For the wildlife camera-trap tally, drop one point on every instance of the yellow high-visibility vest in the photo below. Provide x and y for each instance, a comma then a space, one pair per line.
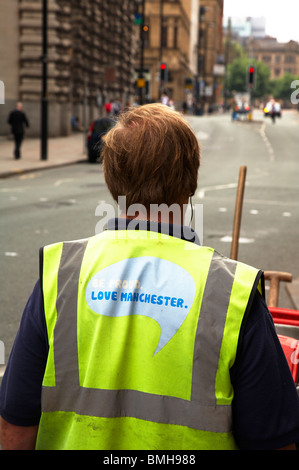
143, 329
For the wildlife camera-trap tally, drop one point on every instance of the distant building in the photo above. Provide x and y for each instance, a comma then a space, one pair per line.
186, 35
258, 27
245, 27
281, 58
211, 58
171, 37
250, 32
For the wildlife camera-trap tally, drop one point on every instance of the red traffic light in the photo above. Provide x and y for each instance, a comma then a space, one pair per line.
251, 74
163, 72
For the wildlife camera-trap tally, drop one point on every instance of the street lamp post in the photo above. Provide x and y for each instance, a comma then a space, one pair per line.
44, 101
161, 84
141, 74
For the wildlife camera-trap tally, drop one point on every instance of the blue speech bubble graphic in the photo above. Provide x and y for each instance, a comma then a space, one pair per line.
147, 286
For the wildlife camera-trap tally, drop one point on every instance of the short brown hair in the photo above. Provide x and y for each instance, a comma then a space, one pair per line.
151, 156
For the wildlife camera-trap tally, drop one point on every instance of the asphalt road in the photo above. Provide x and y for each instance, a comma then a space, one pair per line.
60, 204
269, 230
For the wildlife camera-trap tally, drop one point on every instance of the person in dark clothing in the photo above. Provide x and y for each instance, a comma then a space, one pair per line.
18, 119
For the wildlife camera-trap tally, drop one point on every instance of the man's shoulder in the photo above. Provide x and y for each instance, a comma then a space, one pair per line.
226, 261
65, 242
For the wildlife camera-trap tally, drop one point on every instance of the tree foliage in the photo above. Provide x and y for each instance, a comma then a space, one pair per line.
237, 77
281, 87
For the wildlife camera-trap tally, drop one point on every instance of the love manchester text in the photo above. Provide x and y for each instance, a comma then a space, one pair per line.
137, 297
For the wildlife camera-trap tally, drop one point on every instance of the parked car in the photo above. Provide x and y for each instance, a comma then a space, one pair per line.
96, 131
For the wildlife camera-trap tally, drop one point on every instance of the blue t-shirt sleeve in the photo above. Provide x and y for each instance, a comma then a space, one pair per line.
266, 403
20, 394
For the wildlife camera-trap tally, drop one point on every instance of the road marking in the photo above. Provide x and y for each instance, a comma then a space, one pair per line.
29, 176
43, 199
202, 135
218, 187
11, 254
2, 370
222, 209
228, 239
63, 181
272, 203
12, 190
267, 142
287, 214
253, 212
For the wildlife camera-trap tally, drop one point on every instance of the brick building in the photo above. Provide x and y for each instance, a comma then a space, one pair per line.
281, 58
171, 37
91, 56
211, 59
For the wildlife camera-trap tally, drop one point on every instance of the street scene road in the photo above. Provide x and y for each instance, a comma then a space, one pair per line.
43, 207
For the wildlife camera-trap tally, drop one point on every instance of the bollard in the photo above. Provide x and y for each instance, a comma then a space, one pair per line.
238, 213
2, 353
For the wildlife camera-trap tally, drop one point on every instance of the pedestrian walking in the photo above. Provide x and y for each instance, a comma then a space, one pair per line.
116, 107
140, 337
164, 99
108, 108
18, 121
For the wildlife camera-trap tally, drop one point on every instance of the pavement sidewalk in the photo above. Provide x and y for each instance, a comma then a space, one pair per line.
61, 151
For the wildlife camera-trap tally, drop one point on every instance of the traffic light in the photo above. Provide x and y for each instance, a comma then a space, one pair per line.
163, 72
251, 73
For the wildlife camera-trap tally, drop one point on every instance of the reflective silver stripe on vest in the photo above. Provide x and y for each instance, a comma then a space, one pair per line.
212, 318
66, 355
200, 413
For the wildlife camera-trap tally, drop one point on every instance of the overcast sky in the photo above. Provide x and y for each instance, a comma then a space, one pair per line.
282, 17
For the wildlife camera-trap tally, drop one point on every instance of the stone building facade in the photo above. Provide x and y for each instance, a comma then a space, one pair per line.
281, 58
211, 59
91, 56
187, 36
171, 38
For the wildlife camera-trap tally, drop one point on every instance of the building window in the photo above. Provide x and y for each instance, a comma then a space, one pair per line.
175, 36
277, 72
266, 58
289, 59
277, 59
164, 33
